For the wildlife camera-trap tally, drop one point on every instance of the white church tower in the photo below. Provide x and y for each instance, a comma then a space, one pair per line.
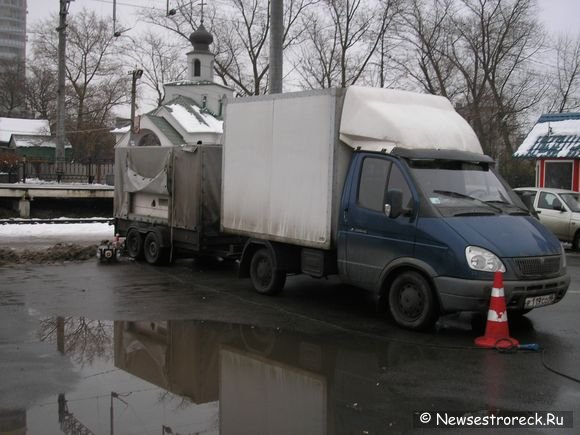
200, 85
200, 59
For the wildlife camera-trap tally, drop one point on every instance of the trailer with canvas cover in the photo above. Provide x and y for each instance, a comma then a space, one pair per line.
167, 202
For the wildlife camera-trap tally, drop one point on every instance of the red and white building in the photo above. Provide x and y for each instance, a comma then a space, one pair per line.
554, 143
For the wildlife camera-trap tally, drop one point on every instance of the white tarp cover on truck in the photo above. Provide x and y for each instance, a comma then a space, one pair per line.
188, 179
376, 119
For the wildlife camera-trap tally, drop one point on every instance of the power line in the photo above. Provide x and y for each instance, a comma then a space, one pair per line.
129, 5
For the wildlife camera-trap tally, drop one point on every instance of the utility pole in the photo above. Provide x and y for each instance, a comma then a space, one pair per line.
60, 104
276, 36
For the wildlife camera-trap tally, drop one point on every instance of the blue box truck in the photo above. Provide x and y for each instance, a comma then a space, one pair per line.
388, 189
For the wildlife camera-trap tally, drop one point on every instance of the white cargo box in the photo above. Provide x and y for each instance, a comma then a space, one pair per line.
286, 155
284, 167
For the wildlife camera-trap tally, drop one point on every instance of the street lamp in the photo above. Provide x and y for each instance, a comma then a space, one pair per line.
115, 396
136, 75
170, 12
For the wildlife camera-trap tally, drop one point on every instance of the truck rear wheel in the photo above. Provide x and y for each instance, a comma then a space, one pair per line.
154, 252
134, 244
412, 302
265, 279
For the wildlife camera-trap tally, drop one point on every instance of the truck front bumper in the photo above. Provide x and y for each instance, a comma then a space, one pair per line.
456, 294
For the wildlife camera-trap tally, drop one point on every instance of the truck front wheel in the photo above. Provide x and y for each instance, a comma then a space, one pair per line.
412, 302
154, 253
134, 244
265, 279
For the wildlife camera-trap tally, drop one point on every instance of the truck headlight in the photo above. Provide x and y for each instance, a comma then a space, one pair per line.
482, 259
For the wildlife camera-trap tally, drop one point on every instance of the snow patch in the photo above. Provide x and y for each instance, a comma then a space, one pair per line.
92, 231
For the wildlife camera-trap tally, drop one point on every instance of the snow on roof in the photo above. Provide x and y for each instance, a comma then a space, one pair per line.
196, 83
376, 119
27, 141
554, 135
192, 118
121, 130
10, 126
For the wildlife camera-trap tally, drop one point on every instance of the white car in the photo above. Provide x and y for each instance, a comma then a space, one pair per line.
557, 209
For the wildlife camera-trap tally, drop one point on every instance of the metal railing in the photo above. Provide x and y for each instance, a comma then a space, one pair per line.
89, 171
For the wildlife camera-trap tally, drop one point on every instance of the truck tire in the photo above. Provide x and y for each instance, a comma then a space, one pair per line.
412, 302
265, 279
154, 252
134, 244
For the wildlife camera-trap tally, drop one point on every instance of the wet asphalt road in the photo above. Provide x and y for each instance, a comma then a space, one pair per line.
192, 349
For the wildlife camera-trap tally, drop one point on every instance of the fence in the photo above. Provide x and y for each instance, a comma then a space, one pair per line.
91, 171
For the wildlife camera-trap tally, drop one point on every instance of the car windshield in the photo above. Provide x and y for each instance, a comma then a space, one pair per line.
572, 200
463, 188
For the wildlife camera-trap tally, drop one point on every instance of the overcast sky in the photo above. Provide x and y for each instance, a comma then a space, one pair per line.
558, 15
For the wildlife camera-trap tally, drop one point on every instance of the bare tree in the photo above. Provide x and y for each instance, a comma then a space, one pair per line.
500, 37
96, 79
12, 88
161, 61
241, 37
85, 340
317, 64
567, 80
41, 91
425, 56
343, 37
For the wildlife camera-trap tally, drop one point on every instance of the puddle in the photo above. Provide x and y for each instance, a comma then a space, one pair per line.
194, 377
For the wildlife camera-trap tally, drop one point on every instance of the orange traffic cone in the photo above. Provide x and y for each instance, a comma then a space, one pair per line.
497, 334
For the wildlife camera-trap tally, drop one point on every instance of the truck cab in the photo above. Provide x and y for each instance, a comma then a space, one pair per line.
425, 229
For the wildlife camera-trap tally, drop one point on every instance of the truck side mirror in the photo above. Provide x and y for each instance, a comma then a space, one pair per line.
394, 203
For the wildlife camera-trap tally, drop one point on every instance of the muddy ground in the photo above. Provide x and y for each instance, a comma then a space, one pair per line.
58, 253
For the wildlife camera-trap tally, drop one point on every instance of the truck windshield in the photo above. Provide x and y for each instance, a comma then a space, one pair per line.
458, 188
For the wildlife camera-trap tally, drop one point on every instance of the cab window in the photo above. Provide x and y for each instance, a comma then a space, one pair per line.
373, 180
397, 181
377, 177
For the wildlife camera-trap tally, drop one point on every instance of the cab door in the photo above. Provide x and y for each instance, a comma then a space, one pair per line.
373, 238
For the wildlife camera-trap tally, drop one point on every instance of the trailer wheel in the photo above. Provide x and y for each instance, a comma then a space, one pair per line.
154, 252
412, 302
134, 244
265, 279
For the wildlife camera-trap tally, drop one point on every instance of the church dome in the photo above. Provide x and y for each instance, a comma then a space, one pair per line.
201, 39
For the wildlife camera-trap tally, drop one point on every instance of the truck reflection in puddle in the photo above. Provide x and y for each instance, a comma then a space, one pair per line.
268, 381
210, 377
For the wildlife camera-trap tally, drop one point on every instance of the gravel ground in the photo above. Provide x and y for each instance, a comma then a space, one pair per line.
58, 253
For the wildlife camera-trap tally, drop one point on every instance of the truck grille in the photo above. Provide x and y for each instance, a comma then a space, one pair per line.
538, 266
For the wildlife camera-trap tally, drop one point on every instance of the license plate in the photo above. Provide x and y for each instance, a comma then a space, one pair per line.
539, 301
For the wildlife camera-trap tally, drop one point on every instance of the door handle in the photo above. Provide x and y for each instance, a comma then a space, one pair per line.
345, 215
